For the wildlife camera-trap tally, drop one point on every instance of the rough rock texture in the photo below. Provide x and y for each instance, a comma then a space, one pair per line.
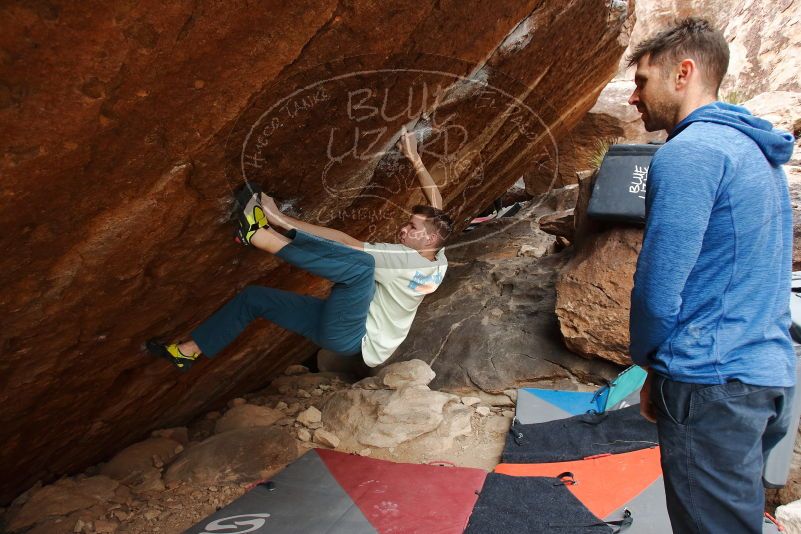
764, 40
245, 454
326, 438
765, 44
139, 458
561, 223
310, 415
385, 418
296, 370
179, 434
245, 416
613, 117
491, 324
396, 407
765, 49
593, 290
136, 499
455, 422
409, 373
587, 287
463, 438
63, 497
789, 516
594, 295
116, 175
610, 120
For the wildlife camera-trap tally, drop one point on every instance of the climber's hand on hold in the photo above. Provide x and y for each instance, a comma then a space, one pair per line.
408, 145
270, 208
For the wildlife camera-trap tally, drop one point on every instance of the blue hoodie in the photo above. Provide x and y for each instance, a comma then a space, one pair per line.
711, 292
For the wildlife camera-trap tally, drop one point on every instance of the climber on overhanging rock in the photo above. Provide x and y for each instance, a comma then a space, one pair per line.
377, 286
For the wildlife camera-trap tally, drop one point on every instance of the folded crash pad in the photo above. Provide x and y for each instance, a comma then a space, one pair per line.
778, 459
618, 193
536, 405
607, 485
580, 436
511, 504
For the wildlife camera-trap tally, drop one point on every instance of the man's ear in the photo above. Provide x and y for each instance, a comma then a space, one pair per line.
431, 238
686, 70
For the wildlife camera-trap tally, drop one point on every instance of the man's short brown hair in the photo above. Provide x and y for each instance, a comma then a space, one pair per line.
688, 38
437, 220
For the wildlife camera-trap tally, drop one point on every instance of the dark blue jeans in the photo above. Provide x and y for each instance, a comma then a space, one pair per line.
713, 440
336, 323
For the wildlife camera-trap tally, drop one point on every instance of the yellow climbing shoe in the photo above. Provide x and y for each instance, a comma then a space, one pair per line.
171, 353
250, 215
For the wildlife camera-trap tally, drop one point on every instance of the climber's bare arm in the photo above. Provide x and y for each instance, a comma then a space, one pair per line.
276, 218
408, 147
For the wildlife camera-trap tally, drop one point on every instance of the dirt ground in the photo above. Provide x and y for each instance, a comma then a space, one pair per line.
180, 507
173, 507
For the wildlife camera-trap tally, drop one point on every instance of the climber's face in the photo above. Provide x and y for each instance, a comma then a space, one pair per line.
416, 234
655, 96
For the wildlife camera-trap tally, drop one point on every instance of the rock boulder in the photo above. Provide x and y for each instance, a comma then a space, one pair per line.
246, 416
62, 498
396, 413
128, 125
762, 43
763, 39
240, 455
594, 295
611, 120
789, 515
409, 373
139, 465
385, 418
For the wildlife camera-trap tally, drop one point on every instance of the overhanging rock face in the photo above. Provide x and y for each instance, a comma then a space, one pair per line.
126, 125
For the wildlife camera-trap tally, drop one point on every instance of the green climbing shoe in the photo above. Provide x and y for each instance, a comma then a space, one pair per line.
172, 354
249, 214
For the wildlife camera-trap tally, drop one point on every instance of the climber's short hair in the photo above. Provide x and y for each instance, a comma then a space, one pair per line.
692, 38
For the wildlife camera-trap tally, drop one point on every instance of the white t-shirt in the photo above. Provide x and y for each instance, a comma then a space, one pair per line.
403, 277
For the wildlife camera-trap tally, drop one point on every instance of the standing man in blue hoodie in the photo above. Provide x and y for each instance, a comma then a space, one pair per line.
709, 308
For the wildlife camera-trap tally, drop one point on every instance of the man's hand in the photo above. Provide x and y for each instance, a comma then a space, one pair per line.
407, 144
647, 408
270, 208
